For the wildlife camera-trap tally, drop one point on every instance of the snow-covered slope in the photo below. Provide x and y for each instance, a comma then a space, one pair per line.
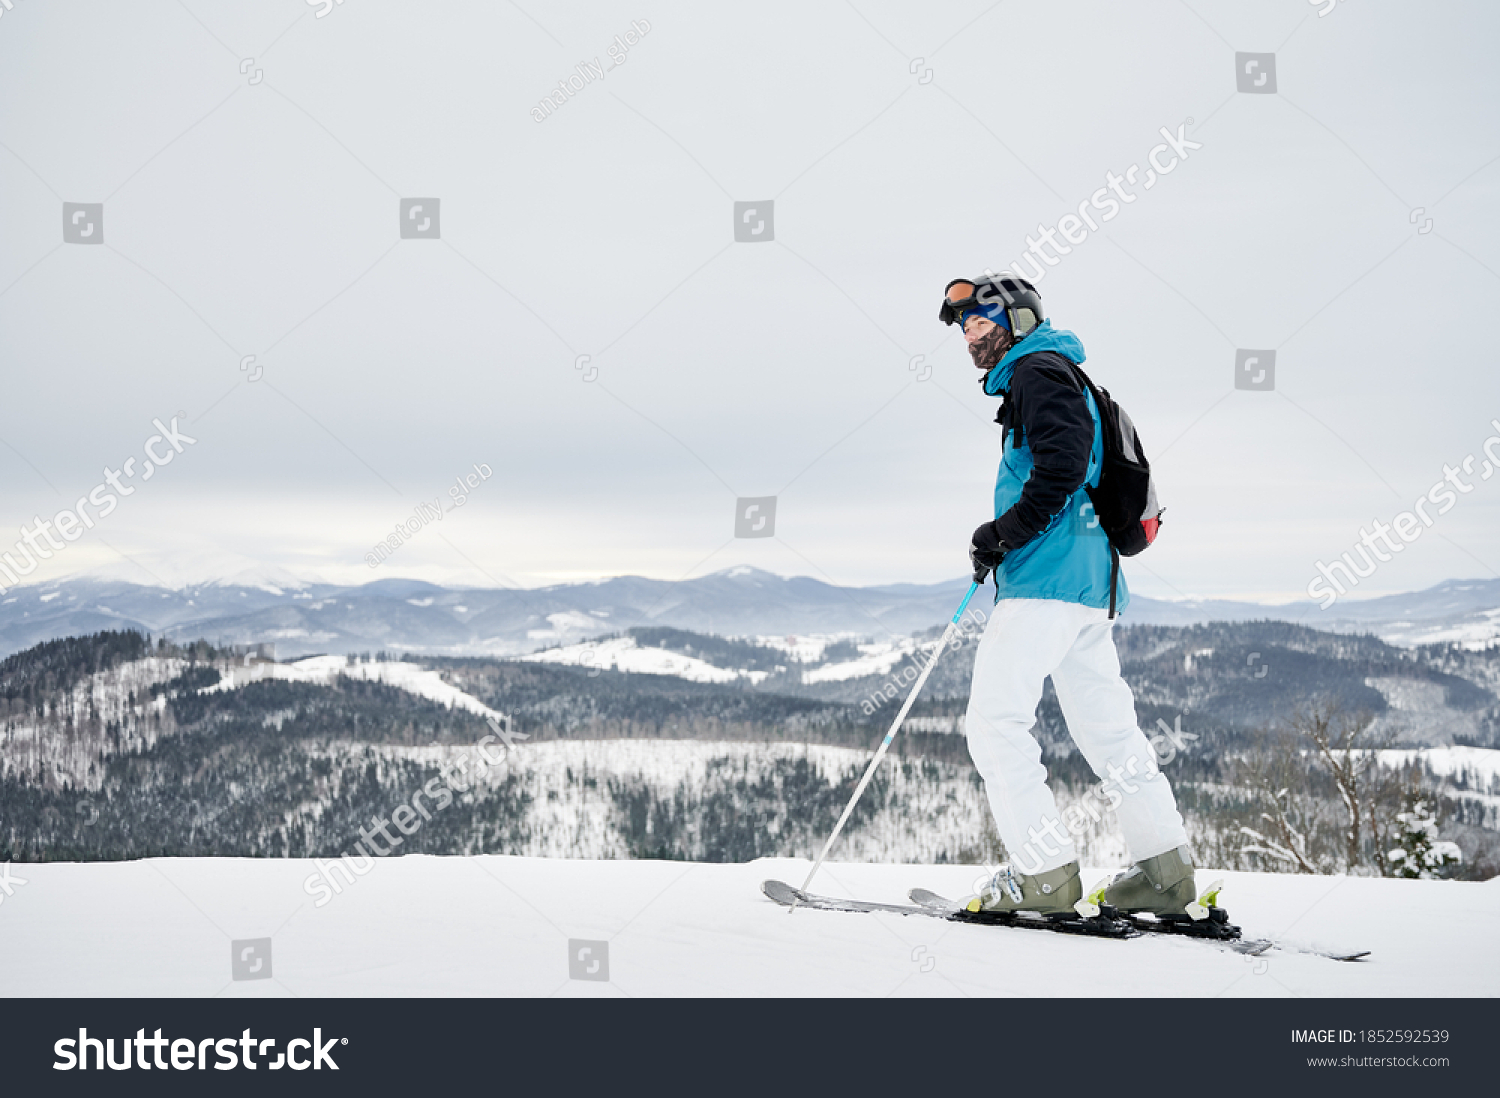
1475, 766
503, 926
623, 654
566, 797
873, 659
108, 712
321, 669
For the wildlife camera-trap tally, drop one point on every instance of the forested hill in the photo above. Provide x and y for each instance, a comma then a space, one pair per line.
117, 746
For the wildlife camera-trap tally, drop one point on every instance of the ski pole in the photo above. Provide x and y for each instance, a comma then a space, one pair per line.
889, 736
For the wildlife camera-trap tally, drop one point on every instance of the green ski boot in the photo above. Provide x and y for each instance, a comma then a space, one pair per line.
1161, 886
1052, 893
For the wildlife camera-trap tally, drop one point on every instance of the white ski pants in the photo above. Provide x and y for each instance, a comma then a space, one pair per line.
1024, 641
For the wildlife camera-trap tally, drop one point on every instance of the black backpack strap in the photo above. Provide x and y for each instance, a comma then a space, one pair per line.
1114, 577
1101, 400
1101, 405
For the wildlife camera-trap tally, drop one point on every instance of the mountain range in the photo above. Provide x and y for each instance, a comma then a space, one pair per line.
405, 615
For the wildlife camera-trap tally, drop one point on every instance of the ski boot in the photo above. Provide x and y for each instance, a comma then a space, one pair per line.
1160, 886
1008, 891
1163, 887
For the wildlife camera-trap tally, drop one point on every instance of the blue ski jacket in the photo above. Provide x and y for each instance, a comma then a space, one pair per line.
1051, 449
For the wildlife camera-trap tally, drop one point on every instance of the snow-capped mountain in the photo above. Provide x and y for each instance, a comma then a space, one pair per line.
401, 615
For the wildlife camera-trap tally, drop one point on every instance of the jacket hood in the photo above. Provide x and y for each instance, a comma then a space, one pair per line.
1043, 338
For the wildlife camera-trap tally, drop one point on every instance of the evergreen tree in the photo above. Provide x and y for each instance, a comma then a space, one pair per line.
1421, 854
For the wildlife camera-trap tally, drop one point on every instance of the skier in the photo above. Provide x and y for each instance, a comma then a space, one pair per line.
1057, 590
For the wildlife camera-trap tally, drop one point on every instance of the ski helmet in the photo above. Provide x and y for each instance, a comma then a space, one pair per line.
1017, 298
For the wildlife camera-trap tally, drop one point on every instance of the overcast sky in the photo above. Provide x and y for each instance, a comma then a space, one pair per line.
251, 159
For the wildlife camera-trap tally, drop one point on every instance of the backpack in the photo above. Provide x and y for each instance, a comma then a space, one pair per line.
1125, 498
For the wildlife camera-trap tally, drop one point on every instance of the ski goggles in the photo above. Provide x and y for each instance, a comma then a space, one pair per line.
953, 309
956, 310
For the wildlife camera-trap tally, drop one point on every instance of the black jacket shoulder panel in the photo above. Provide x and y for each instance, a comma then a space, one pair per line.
1048, 408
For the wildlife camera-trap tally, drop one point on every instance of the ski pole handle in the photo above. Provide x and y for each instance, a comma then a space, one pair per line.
889, 736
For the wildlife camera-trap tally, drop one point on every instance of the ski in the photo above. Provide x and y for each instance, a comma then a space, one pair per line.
1100, 926
1227, 933
1223, 932
1178, 928
1215, 927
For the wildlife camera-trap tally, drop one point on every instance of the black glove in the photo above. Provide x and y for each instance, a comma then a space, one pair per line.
986, 551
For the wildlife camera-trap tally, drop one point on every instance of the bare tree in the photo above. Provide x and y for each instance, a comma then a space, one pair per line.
1323, 758
1287, 829
1338, 739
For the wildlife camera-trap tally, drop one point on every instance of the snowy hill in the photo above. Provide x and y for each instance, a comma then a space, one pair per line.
488, 926
113, 748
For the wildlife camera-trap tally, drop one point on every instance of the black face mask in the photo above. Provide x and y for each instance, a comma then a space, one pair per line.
989, 348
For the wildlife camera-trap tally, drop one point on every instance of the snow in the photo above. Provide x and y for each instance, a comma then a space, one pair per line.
567, 815
1410, 695
100, 720
1478, 632
562, 623
623, 654
803, 648
1197, 653
494, 925
874, 659
268, 578
323, 669
1479, 766
1419, 712
935, 724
